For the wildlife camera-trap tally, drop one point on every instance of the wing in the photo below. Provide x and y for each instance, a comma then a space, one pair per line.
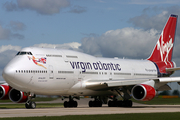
112, 84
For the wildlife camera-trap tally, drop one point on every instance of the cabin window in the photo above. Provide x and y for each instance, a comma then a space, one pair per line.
24, 53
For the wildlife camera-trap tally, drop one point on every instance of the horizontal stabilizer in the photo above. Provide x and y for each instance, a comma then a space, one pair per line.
172, 69
169, 79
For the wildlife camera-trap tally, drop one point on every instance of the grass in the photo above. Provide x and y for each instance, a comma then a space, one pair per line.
161, 101
37, 99
10, 105
39, 105
136, 116
155, 101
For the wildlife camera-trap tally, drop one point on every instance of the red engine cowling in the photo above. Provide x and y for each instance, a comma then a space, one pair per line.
4, 91
143, 92
17, 96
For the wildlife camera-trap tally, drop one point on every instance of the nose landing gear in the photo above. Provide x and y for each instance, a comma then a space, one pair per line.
30, 104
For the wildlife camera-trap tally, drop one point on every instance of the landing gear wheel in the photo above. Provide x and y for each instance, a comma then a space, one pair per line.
70, 104
95, 104
112, 103
66, 104
128, 103
125, 103
30, 105
27, 106
75, 104
120, 103
33, 105
91, 104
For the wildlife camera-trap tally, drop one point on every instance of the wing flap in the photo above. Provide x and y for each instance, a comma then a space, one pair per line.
96, 85
108, 84
164, 88
125, 82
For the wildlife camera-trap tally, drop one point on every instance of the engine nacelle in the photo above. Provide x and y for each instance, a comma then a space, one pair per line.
4, 91
143, 92
17, 96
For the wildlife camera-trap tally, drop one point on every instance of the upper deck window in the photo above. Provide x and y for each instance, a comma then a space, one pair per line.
24, 53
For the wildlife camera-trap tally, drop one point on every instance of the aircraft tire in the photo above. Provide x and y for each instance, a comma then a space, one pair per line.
91, 104
95, 104
128, 103
112, 103
70, 104
30, 105
66, 104
75, 104
120, 103
27, 106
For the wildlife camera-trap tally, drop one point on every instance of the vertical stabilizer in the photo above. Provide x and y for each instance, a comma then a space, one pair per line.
162, 53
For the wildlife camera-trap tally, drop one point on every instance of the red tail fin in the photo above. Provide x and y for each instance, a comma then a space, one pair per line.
162, 53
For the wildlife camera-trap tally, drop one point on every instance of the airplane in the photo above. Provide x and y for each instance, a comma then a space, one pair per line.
46, 71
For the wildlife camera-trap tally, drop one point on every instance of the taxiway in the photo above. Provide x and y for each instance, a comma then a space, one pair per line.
83, 109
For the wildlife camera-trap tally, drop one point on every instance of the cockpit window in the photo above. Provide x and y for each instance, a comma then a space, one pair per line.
24, 53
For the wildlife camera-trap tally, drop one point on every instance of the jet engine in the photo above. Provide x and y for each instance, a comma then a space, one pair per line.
17, 96
4, 90
143, 92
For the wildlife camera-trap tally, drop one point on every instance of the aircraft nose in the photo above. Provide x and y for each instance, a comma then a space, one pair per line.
8, 73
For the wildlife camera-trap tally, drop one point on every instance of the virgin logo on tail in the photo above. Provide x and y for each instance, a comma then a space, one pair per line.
164, 48
162, 53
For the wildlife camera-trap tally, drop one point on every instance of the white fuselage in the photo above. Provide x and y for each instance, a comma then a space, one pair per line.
64, 72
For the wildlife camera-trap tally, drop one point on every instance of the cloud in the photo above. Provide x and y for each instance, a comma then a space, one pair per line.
7, 34
71, 46
153, 2
10, 6
4, 33
4, 48
78, 9
17, 26
17, 36
126, 42
144, 21
157, 21
44, 7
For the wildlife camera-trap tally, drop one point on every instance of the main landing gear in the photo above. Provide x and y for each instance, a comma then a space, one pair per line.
30, 104
70, 103
122, 103
96, 103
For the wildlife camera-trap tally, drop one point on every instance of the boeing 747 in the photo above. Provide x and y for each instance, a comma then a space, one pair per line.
46, 71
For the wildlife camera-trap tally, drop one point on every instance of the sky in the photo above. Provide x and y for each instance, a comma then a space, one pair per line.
107, 28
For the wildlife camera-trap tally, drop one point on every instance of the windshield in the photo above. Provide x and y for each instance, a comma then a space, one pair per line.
24, 53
